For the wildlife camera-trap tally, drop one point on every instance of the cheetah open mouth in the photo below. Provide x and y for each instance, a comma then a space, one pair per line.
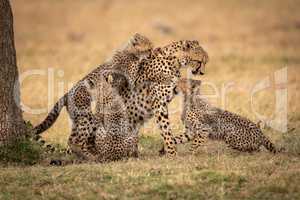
199, 68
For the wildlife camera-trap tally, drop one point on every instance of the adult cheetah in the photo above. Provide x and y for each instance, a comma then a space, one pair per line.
155, 85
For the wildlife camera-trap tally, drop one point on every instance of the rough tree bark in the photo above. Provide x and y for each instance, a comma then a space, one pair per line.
11, 120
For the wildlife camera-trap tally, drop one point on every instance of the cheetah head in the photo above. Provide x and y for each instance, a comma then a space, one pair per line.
194, 56
189, 87
188, 53
192, 93
139, 44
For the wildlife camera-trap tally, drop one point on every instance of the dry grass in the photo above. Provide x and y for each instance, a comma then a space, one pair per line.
247, 41
212, 176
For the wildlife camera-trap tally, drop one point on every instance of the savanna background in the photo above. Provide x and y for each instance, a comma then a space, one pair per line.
247, 42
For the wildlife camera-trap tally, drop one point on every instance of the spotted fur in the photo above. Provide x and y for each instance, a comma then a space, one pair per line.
205, 121
104, 136
155, 85
78, 99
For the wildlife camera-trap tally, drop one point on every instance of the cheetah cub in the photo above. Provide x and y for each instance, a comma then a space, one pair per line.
116, 139
204, 121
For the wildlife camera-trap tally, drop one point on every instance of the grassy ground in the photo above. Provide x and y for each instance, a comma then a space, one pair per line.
247, 41
215, 173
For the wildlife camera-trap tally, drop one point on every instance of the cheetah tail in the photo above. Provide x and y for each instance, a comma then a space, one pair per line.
52, 116
269, 145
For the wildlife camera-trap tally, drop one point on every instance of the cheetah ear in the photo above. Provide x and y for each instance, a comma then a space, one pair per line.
157, 51
136, 35
134, 39
195, 42
186, 45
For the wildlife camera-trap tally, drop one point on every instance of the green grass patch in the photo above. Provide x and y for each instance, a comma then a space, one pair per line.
20, 151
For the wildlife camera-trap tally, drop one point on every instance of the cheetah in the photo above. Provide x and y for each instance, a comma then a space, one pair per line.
116, 140
155, 85
110, 138
78, 100
204, 121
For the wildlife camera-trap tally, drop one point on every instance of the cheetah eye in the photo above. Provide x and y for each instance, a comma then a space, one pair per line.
91, 83
135, 43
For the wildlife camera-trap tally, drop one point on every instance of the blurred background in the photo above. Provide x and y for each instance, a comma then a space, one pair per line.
247, 41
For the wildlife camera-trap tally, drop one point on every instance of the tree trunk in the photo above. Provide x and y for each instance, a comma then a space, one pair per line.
11, 120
